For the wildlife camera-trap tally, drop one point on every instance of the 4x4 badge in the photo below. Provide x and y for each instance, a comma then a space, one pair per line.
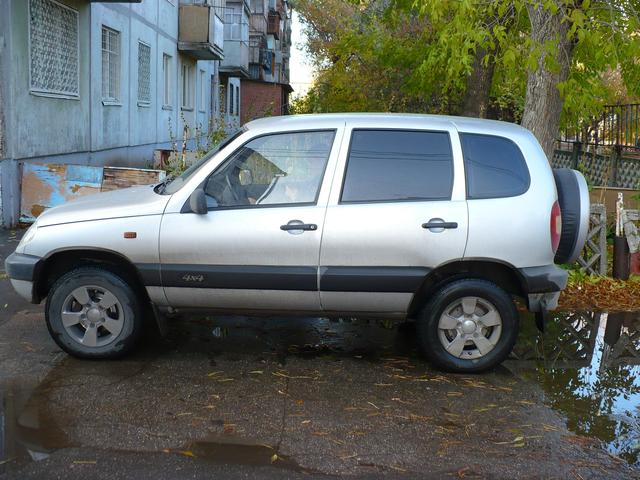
187, 277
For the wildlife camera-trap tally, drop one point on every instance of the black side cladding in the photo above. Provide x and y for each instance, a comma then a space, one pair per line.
569, 200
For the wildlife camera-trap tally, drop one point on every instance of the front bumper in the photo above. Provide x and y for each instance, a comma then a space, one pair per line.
543, 286
21, 270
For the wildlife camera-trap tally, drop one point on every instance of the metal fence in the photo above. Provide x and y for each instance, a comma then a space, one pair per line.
613, 167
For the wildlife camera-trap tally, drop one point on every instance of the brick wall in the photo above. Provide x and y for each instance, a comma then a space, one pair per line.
260, 99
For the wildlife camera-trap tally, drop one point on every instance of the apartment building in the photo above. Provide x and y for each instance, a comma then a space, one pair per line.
255, 72
99, 83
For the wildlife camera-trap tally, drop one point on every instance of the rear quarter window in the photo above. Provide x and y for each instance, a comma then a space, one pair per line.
398, 165
494, 167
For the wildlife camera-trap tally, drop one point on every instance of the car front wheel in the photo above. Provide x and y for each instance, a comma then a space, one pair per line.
93, 313
468, 326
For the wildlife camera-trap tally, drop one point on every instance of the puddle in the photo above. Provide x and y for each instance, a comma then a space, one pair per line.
238, 452
586, 364
28, 430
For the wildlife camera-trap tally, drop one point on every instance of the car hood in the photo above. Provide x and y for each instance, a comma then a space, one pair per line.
128, 202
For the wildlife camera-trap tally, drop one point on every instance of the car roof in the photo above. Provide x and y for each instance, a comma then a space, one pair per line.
385, 120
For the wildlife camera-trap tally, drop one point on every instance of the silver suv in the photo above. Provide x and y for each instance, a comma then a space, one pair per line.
439, 219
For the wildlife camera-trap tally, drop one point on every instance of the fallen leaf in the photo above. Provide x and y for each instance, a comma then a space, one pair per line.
256, 372
274, 458
85, 462
186, 453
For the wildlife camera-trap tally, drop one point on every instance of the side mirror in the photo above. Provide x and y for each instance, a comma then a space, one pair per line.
198, 202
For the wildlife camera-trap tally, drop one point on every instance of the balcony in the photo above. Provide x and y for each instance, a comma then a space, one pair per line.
200, 32
236, 45
273, 24
258, 22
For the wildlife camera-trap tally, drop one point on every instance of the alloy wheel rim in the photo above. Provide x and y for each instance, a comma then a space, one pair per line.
470, 327
92, 316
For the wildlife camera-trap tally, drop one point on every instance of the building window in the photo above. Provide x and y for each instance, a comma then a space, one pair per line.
54, 52
237, 100
110, 65
231, 90
144, 74
166, 85
203, 91
187, 87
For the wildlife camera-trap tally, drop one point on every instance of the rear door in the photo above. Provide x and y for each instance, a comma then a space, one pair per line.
397, 210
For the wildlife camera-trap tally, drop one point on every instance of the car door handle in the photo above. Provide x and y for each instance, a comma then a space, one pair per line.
433, 223
299, 226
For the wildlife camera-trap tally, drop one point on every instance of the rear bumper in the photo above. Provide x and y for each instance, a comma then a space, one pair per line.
543, 286
545, 279
21, 269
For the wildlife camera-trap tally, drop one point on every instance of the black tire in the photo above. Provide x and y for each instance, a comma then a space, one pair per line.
429, 335
573, 198
130, 311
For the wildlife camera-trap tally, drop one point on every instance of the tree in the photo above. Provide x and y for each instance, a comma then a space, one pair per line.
546, 63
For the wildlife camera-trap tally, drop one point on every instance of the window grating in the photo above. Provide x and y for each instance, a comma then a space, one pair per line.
110, 65
144, 73
54, 50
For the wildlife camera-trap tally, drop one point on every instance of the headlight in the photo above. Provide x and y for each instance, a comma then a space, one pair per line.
28, 236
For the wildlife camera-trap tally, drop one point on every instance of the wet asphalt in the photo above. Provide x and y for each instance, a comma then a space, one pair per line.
246, 397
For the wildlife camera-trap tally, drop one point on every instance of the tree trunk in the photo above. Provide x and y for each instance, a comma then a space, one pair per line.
476, 98
543, 104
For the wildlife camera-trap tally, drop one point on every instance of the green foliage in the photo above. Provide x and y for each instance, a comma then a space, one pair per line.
417, 55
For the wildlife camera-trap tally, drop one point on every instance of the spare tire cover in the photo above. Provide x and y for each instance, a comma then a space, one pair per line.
573, 197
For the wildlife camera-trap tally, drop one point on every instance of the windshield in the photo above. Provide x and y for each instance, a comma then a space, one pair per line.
171, 185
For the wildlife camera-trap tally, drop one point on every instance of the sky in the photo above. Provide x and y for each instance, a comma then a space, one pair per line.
300, 71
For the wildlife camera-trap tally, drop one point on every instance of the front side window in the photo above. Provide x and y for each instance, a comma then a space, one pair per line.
494, 167
110, 65
398, 165
278, 169
53, 48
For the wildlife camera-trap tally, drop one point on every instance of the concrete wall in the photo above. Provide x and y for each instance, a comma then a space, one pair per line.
84, 129
44, 125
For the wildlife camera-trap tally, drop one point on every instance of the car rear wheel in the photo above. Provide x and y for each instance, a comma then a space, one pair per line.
468, 326
94, 313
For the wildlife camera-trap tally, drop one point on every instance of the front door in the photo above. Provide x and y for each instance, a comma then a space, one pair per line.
396, 211
257, 248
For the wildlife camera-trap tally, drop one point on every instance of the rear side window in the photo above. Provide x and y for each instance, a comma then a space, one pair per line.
398, 165
494, 167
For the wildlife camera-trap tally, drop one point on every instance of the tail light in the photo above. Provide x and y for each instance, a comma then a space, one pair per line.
556, 226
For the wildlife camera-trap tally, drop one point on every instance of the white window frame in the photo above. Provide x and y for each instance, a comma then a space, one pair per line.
167, 81
43, 92
109, 97
186, 87
142, 102
203, 91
